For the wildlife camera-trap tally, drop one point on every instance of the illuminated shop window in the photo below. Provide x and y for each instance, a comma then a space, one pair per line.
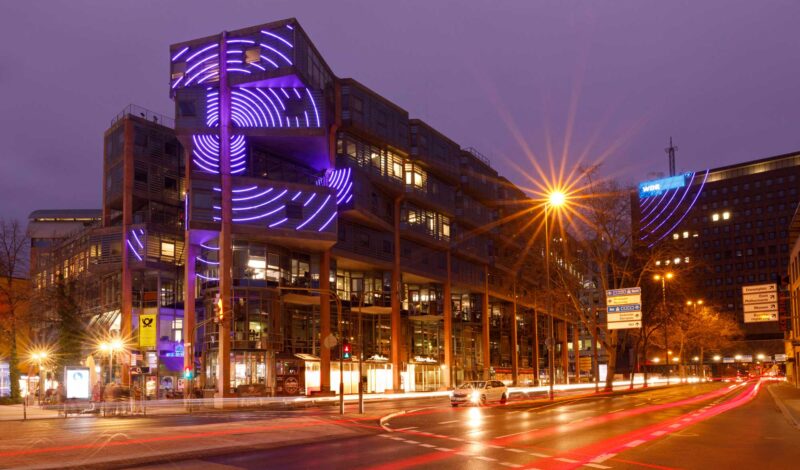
167, 249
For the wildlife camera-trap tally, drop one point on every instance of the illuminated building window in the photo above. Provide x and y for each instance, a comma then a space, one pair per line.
726, 215
167, 249
675, 236
715, 217
658, 263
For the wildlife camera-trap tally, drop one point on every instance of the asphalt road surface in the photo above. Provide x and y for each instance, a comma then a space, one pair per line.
725, 426
703, 426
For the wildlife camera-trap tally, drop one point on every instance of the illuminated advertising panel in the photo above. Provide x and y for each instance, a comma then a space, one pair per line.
77, 382
657, 187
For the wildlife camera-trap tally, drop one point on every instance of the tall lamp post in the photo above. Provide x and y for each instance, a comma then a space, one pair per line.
555, 200
664, 278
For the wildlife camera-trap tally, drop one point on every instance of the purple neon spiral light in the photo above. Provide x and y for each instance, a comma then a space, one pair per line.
674, 208
202, 62
685, 213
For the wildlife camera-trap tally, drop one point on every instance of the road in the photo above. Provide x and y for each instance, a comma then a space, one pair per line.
693, 427
690, 426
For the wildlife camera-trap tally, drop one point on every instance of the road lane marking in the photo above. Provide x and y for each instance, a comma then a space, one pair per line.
515, 434
485, 459
602, 458
450, 422
536, 454
444, 449
385, 435
406, 429
440, 436
621, 409
494, 446
458, 439
635, 443
511, 465
595, 465
673, 426
658, 433
562, 459
465, 453
519, 451
430, 446
412, 442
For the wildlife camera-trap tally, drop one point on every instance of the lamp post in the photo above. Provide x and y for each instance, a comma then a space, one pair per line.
39, 357
555, 200
111, 345
663, 278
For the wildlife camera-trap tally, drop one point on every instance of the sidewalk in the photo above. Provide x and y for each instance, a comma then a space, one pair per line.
787, 398
17, 412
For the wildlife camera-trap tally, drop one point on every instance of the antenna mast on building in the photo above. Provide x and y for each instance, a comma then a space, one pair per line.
671, 152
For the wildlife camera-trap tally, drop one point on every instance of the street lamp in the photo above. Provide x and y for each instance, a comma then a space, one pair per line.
110, 346
664, 278
555, 199
38, 357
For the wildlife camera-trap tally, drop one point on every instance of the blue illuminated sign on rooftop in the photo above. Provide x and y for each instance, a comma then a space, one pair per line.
656, 187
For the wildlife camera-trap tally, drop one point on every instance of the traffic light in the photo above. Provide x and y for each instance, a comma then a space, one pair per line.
188, 373
346, 351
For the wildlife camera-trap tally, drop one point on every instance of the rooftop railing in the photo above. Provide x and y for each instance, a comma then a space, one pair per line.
144, 113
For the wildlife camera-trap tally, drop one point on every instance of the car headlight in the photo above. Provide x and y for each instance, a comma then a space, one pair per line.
475, 396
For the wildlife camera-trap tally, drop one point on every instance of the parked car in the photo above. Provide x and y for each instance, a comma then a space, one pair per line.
479, 392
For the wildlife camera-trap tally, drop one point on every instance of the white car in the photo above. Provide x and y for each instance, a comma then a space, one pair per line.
479, 392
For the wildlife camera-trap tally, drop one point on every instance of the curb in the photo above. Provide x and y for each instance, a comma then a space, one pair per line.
784, 409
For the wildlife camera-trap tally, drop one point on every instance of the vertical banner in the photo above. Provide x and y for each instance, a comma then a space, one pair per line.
147, 330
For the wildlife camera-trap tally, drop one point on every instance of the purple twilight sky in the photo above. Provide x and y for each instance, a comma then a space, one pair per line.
720, 76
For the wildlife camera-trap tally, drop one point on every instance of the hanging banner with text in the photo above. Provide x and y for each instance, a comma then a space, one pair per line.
624, 308
147, 330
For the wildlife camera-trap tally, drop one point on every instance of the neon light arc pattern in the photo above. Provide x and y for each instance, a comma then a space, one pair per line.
267, 206
666, 211
137, 247
202, 62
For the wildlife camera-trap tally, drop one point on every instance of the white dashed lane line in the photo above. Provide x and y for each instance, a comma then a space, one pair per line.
596, 465
634, 443
450, 422
515, 434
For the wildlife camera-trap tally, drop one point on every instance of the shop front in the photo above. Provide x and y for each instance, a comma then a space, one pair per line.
423, 374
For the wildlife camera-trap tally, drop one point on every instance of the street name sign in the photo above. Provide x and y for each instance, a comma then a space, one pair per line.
624, 308
760, 303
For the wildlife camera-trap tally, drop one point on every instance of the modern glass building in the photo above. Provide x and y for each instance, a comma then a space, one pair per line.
318, 211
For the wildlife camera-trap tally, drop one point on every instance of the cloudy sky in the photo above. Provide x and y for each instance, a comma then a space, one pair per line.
610, 80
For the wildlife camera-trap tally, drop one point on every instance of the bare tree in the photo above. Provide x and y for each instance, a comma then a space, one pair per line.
600, 221
13, 295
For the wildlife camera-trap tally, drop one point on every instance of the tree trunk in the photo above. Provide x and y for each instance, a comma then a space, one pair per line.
611, 368
13, 363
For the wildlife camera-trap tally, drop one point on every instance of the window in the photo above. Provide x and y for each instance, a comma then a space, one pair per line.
170, 184
140, 175
177, 330
167, 249
715, 217
726, 215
